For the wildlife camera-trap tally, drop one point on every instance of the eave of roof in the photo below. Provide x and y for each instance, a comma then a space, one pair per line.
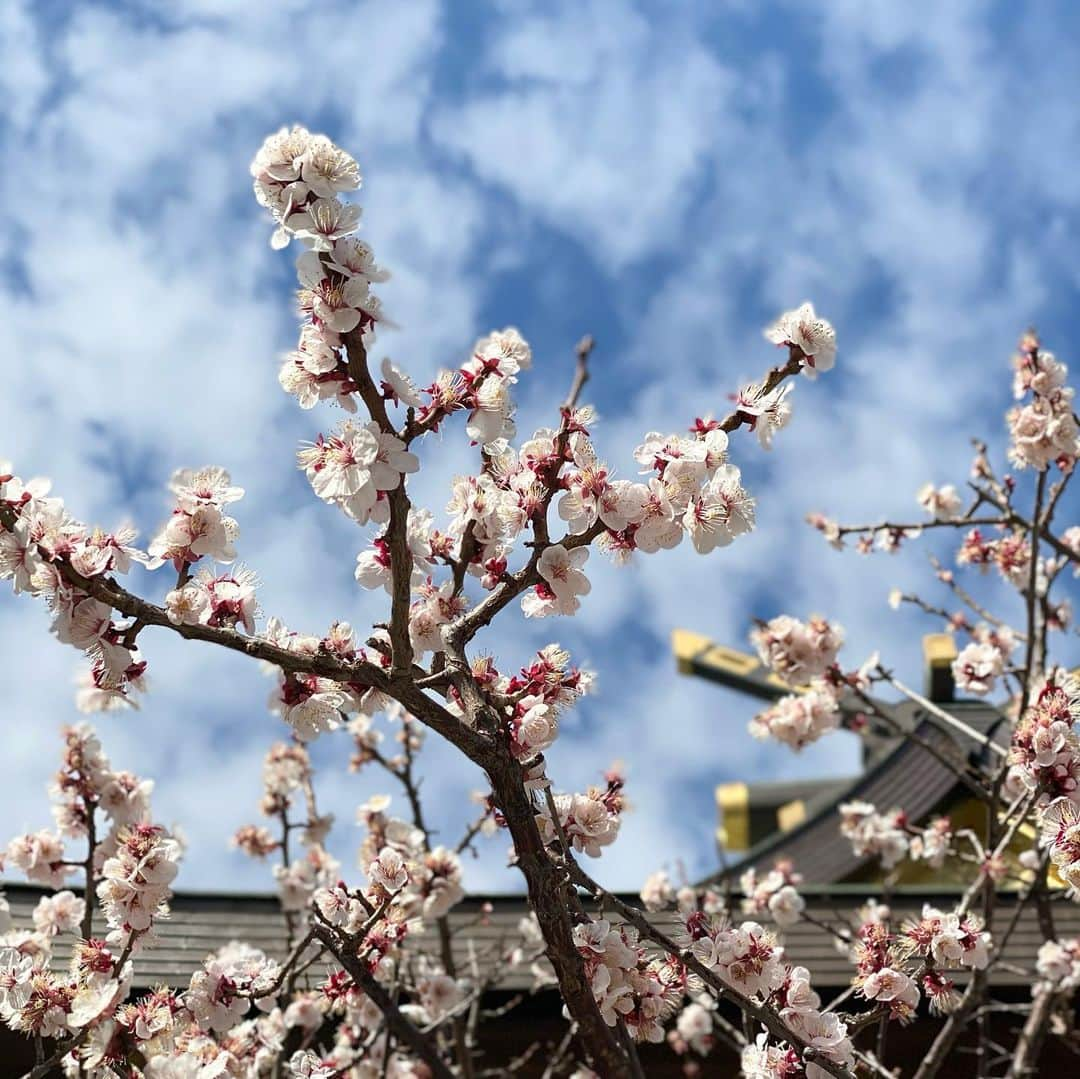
201, 923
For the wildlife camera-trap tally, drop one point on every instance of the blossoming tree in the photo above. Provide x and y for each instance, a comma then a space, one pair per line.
351, 992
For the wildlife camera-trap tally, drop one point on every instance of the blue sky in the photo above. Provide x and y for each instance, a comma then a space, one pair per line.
666, 176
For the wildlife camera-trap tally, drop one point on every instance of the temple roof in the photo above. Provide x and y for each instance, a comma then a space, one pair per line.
901, 775
800, 820
201, 923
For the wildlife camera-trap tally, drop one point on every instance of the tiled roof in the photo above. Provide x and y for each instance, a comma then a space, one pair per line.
202, 923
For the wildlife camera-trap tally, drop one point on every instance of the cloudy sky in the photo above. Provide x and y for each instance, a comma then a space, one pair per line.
666, 176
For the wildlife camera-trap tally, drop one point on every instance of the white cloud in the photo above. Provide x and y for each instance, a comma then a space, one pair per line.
597, 122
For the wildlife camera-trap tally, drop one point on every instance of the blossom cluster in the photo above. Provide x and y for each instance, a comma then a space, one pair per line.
804, 656
287, 779
1042, 430
1009, 553
589, 821
811, 339
948, 938
775, 893
298, 177
197, 528
798, 719
135, 880
1058, 964
37, 537
798, 651
311, 704
882, 835
531, 701
355, 467
1044, 754
942, 503
748, 958
978, 666
629, 986
132, 864
891, 838
134, 861
425, 880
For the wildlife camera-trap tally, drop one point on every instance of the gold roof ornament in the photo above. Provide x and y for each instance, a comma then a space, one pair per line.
696, 655
939, 651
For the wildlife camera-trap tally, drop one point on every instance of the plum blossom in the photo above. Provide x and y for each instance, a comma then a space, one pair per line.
504, 352
40, 856
1043, 432
826, 1033
977, 668
942, 503
657, 892
323, 221
1061, 835
746, 957
213, 996
799, 719
135, 881
1058, 964
774, 893
389, 871
694, 1027
397, 386
197, 527
892, 987
873, 833
811, 338
760, 1060
932, 844
59, 913
590, 821
563, 580
720, 512
765, 413
798, 651
373, 566
354, 466
309, 704
187, 605
337, 304
304, 1064
948, 938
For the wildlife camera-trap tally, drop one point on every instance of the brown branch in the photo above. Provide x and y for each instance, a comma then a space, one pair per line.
359, 672
1030, 658
549, 898
920, 526
735, 419
1019, 521
951, 722
963, 595
952, 1029
404, 1031
582, 350
1029, 1045
88, 866
397, 535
